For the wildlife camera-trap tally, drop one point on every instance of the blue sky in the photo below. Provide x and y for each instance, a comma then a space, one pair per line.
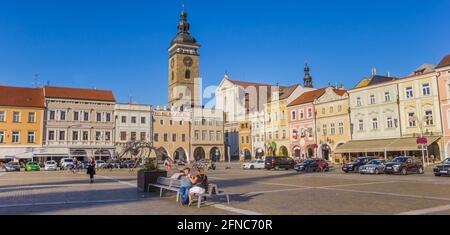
122, 45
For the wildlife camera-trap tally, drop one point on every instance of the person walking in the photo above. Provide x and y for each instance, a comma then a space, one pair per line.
91, 170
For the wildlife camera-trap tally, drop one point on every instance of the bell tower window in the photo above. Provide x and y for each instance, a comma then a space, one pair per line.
187, 74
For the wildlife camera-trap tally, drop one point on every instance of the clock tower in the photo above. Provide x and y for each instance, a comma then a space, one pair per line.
183, 67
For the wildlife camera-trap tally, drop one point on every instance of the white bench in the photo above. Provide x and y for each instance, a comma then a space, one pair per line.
213, 191
167, 184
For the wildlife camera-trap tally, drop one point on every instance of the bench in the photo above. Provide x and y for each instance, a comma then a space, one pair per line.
167, 184
213, 191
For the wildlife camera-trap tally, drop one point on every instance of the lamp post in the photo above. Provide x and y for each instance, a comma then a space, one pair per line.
422, 141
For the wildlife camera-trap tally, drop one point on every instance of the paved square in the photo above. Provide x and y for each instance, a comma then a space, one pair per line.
252, 192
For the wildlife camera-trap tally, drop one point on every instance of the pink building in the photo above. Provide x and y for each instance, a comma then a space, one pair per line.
443, 75
302, 124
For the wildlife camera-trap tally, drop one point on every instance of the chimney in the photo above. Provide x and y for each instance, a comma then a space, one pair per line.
374, 71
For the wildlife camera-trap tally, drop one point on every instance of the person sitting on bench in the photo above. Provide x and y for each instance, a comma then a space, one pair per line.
186, 185
200, 183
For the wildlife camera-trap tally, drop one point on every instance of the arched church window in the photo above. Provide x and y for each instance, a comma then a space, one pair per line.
187, 74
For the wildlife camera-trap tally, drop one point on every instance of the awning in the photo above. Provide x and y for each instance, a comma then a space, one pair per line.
409, 144
364, 146
385, 145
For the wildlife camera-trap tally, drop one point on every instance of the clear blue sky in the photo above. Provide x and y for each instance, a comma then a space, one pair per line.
122, 45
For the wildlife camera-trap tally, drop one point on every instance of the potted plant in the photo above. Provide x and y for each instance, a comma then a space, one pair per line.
149, 175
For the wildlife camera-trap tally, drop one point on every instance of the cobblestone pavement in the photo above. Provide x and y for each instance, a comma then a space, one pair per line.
252, 192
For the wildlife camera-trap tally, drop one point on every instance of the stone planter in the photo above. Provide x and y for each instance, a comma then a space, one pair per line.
146, 177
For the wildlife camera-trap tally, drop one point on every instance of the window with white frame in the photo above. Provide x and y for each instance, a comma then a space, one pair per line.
429, 121
2, 116
390, 123
358, 101
302, 114
361, 125
51, 135
62, 115
409, 92
16, 117
375, 124
2, 137
332, 129
372, 99
31, 137
324, 129
310, 113
31, 117
76, 116
341, 128
426, 90
294, 115
15, 137
411, 119
51, 115
387, 97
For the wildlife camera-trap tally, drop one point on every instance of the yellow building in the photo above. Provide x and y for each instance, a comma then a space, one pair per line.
276, 121
332, 122
245, 141
21, 122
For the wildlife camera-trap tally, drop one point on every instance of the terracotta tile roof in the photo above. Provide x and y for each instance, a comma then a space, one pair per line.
21, 97
340, 92
79, 94
308, 97
445, 62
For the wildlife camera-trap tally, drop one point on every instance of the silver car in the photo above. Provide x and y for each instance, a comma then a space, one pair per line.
373, 167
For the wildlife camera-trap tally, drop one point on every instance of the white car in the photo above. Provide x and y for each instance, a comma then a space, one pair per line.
66, 163
100, 164
51, 166
255, 164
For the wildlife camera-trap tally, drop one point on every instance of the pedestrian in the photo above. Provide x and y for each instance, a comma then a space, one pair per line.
186, 185
168, 165
91, 169
433, 159
75, 165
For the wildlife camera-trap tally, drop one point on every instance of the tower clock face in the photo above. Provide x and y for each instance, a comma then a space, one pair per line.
188, 62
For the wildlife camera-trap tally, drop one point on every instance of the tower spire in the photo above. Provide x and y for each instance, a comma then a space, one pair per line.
307, 80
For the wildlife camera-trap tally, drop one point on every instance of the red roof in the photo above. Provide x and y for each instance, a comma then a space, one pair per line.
308, 97
79, 94
21, 97
445, 62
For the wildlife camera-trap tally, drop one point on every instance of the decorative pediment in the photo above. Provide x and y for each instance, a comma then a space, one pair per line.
330, 95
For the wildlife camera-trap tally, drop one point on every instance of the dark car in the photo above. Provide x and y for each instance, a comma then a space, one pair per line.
129, 164
404, 166
279, 162
312, 165
12, 166
354, 166
443, 169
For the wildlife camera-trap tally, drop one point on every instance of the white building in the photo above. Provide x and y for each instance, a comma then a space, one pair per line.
133, 124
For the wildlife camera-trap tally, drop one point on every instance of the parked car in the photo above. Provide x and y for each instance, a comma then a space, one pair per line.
66, 163
100, 164
374, 167
12, 166
84, 164
279, 162
355, 165
312, 165
404, 166
443, 169
255, 164
32, 166
129, 164
51, 166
